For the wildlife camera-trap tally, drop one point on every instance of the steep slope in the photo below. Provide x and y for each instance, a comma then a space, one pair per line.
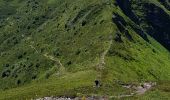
67, 44
152, 15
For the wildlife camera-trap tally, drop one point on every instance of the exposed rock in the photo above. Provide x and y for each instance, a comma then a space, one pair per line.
140, 89
122, 24
125, 5
153, 19
77, 98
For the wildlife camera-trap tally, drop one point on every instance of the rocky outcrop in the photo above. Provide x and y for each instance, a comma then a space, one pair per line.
153, 19
159, 21
166, 3
125, 5
122, 24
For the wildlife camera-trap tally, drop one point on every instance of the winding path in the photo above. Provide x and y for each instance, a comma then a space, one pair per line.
58, 62
101, 65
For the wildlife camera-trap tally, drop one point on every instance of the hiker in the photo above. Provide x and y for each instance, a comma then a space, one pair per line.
97, 83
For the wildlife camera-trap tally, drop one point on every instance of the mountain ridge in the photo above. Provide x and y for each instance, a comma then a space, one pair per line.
61, 42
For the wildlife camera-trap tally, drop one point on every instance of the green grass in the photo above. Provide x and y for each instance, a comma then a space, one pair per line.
53, 86
72, 85
75, 33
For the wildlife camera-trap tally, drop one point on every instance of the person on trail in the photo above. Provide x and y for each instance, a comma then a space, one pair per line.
97, 83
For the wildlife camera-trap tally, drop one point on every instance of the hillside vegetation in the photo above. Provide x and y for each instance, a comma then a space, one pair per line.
60, 47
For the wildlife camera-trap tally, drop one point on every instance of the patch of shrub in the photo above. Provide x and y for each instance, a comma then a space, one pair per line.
6, 65
20, 57
84, 23
153, 50
37, 65
78, 52
6, 73
57, 52
30, 65
34, 77
47, 75
128, 35
118, 38
69, 63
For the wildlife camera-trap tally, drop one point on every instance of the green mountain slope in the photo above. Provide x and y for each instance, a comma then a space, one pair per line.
60, 47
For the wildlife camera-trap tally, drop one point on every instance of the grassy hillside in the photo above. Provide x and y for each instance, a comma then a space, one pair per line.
60, 47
